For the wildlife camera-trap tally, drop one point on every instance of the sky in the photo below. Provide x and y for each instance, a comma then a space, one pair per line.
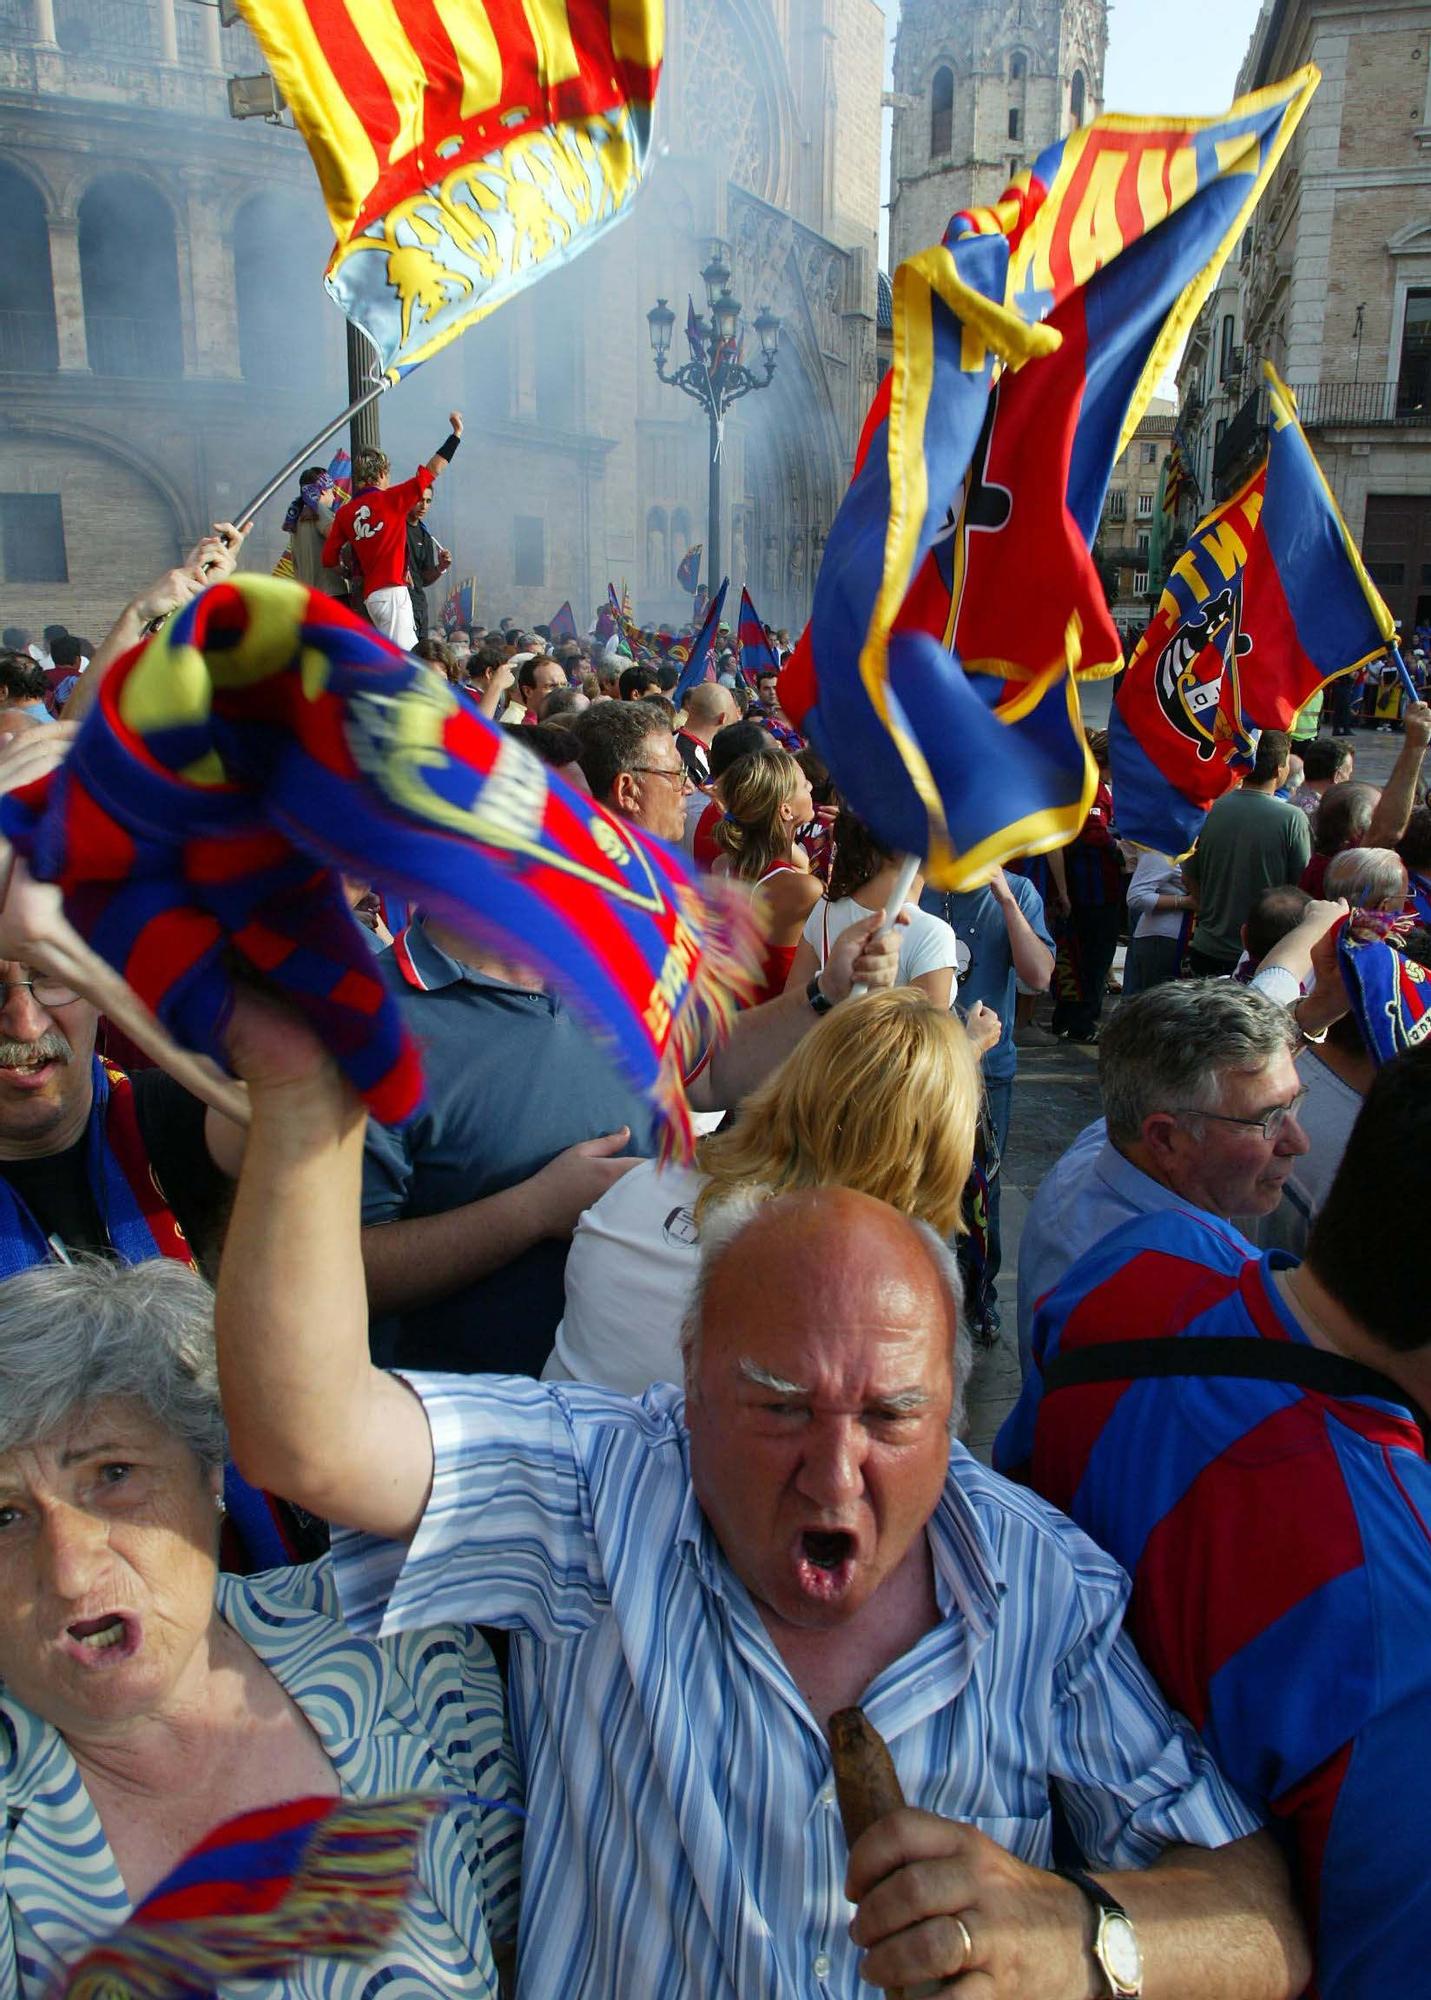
1152, 66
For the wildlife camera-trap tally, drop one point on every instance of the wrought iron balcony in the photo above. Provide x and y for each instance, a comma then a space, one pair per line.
1361, 405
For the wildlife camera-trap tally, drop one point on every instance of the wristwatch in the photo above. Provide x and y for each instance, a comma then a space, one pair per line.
1115, 1942
818, 998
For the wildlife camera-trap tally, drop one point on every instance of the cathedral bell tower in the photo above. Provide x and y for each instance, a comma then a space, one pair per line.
980, 88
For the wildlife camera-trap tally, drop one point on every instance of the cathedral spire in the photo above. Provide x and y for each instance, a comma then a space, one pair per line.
980, 88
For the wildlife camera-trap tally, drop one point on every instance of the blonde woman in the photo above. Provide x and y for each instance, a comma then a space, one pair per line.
882, 1096
767, 798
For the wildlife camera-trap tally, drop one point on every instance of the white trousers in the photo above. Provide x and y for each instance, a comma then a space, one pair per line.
391, 611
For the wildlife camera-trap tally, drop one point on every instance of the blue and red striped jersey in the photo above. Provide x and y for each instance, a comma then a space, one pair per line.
1279, 1542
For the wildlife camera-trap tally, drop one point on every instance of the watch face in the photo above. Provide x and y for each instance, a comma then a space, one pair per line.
1118, 1949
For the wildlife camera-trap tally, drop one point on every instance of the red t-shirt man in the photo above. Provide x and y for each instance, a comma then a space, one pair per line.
373, 525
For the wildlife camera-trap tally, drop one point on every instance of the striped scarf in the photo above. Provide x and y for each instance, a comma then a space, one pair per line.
266, 740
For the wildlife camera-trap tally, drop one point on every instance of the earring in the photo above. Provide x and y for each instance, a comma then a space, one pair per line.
221, 1506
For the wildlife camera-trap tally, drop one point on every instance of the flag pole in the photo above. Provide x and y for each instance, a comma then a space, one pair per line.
1405, 673
894, 903
297, 463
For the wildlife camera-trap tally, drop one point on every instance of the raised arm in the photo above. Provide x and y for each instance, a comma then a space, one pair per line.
445, 452
1033, 961
866, 954
309, 1416
1398, 794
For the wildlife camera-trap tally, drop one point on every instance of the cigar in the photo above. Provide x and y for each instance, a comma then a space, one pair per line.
866, 1782
867, 1787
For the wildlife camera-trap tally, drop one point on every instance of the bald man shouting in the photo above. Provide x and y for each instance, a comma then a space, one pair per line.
694, 1582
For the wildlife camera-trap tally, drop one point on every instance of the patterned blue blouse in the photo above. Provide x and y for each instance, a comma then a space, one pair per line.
423, 1712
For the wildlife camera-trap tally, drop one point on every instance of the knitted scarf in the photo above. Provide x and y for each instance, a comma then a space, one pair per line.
265, 740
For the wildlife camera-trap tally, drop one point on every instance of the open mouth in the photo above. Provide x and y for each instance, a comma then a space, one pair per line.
824, 1562
33, 1069
102, 1641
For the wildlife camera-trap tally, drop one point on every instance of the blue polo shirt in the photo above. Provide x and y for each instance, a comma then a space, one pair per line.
987, 973
512, 1080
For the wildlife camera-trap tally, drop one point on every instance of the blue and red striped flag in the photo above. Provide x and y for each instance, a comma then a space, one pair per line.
958, 595
700, 666
563, 621
1269, 600
267, 740
460, 606
757, 655
688, 570
321, 1878
462, 149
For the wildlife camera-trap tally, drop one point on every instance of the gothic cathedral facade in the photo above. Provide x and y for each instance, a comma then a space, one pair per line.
980, 88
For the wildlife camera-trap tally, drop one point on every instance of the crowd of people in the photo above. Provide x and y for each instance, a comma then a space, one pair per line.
493, 1455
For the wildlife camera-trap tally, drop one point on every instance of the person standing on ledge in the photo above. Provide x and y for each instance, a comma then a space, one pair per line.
373, 526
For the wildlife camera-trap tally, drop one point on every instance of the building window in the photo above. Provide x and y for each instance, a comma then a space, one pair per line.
531, 548
1413, 384
129, 273
27, 302
1227, 353
1077, 97
1015, 166
1143, 539
32, 538
1145, 506
1015, 121
1217, 435
1018, 66
1118, 505
941, 113
1140, 583
1150, 454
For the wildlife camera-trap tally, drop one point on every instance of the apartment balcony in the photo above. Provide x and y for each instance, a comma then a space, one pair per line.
1360, 406
1244, 438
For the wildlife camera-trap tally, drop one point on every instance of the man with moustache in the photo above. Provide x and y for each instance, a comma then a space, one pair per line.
92, 1159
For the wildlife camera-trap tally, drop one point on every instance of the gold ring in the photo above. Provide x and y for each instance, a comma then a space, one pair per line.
968, 1943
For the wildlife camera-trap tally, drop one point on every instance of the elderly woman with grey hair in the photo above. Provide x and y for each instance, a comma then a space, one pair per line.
145, 1698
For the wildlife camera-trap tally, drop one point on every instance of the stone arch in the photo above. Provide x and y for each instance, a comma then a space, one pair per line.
795, 469
129, 270
739, 104
28, 339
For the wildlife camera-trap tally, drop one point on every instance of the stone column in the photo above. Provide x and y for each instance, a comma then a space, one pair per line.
213, 48
168, 33
210, 286
68, 291
45, 23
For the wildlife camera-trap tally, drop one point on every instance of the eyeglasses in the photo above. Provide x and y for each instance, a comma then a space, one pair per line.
680, 776
1269, 1124
46, 993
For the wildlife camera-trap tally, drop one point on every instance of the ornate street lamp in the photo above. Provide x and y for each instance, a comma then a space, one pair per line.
715, 376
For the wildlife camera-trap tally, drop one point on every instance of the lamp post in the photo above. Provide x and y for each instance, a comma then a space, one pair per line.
715, 376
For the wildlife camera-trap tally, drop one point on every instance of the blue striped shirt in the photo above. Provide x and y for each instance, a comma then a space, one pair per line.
683, 1836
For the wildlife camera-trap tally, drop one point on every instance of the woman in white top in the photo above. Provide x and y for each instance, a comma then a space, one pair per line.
881, 1096
1159, 904
862, 878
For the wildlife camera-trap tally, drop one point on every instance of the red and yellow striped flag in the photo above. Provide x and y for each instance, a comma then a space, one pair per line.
461, 145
